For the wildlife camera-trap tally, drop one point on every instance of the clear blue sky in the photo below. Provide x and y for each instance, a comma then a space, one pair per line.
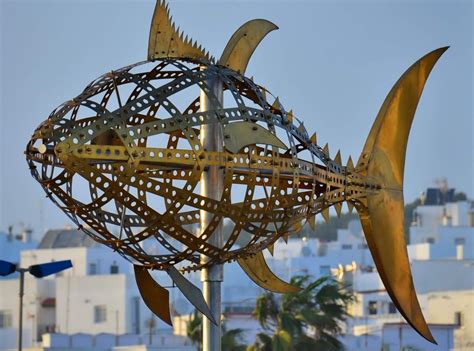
332, 62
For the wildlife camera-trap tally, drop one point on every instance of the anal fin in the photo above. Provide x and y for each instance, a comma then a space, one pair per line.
192, 293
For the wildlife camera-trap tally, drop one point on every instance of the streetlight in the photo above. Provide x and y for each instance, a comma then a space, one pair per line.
37, 270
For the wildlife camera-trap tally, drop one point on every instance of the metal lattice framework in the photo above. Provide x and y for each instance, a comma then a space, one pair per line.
125, 161
114, 149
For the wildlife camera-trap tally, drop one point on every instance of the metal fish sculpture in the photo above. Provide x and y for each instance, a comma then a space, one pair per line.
134, 137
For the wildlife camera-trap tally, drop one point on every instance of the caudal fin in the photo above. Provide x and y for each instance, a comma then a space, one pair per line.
382, 161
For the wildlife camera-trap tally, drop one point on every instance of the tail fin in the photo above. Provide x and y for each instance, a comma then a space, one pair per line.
383, 161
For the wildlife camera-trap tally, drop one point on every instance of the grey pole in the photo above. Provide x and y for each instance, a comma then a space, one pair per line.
211, 187
20, 317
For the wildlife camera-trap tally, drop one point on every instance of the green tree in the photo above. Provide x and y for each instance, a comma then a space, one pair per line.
306, 320
231, 339
194, 330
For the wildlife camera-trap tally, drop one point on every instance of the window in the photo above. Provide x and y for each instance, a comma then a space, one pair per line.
362, 246
5, 319
114, 269
391, 308
346, 246
100, 314
93, 268
459, 241
458, 318
372, 307
430, 240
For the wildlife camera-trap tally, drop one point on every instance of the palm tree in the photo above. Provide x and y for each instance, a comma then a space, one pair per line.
194, 330
306, 320
231, 339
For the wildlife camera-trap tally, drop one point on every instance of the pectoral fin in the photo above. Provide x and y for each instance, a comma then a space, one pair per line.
155, 296
240, 134
257, 269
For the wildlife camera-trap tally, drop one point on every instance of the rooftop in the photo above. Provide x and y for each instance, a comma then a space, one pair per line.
65, 238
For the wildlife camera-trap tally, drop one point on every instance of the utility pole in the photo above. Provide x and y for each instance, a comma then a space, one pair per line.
212, 183
22, 272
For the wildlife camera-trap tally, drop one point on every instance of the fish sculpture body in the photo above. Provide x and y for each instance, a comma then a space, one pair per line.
134, 136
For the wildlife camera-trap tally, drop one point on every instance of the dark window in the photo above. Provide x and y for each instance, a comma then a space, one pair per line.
346, 246
372, 307
430, 240
458, 318
114, 269
391, 308
459, 241
100, 313
5, 319
93, 269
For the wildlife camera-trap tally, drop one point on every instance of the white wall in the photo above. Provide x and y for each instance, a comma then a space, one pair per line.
443, 275
104, 257
35, 317
442, 309
77, 296
394, 336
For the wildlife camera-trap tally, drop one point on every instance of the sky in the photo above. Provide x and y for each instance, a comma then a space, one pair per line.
332, 62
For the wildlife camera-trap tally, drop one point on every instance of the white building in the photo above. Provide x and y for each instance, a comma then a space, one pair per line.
441, 253
97, 296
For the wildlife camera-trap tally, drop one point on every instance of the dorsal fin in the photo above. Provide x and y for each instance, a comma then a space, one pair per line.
243, 42
166, 42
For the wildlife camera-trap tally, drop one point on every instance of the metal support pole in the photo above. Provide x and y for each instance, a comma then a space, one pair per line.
20, 316
211, 187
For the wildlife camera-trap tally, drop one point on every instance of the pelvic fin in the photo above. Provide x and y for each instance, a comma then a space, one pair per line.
257, 269
155, 296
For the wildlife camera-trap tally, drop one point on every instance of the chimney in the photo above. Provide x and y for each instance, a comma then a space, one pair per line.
27, 235
10, 233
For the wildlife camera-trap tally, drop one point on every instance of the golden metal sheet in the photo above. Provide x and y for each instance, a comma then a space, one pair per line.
257, 269
243, 43
312, 222
325, 214
155, 296
191, 292
383, 229
396, 114
350, 164
337, 158
326, 149
165, 41
383, 158
240, 134
143, 162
